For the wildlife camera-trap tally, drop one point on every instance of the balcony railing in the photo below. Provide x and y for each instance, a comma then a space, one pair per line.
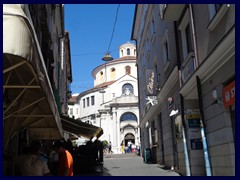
188, 68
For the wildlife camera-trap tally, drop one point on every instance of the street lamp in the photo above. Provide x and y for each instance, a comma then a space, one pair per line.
107, 57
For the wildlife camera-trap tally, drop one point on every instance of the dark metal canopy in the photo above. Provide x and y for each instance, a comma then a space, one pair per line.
80, 128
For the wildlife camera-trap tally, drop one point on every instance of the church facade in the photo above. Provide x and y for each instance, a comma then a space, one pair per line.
112, 103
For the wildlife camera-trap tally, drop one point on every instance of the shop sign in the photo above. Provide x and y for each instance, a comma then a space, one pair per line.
193, 119
229, 94
194, 123
151, 88
152, 100
194, 133
150, 79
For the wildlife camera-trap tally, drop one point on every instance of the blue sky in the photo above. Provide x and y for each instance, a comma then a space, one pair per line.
90, 27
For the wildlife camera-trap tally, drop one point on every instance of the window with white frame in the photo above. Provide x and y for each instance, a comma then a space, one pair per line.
92, 101
127, 70
101, 76
127, 89
71, 111
84, 105
186, 35
87, 101
128, 116
113, 73
187, 66
128, 51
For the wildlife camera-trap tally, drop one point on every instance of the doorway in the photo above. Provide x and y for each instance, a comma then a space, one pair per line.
129, 137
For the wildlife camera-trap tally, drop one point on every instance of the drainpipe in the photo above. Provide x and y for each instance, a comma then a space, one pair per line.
186, 157
196, 63
202, 125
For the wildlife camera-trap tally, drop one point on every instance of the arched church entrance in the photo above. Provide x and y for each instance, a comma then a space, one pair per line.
129, 137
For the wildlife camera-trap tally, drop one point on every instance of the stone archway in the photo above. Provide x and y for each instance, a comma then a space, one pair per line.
129, 137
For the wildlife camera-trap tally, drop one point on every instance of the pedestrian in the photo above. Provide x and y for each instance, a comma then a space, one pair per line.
65, 160
122, 147
133, 148
125, 149
69, 146
31, 164
110, 147
129, 146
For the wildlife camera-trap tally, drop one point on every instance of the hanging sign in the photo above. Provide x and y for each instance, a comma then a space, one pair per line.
152, 100
150, 85
229, 94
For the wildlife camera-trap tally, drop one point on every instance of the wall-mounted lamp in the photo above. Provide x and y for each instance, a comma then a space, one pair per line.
215, 98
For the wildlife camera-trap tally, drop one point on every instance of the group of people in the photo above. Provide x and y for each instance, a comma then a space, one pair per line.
33, 162
130, 148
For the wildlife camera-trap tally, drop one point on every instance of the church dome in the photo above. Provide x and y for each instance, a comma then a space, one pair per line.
127, 49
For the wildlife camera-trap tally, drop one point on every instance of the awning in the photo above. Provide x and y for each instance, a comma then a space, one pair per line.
80, 128
29, 101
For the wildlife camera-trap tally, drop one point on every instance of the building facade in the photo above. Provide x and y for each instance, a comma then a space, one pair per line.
112, 103
37, 72
190, 49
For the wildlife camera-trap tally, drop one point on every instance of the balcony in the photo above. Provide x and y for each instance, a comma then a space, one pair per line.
171, 12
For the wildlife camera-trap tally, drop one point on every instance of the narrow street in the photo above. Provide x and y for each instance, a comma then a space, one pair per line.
128, 165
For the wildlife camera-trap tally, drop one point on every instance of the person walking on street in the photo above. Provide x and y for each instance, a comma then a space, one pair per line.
31, 164
122, 147
129, 144
110, 147
65, 160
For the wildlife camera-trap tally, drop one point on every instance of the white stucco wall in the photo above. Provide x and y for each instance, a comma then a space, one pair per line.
106, 112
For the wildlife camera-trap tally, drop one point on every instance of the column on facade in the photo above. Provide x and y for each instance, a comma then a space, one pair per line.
114, 143
136, 136
118, 133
